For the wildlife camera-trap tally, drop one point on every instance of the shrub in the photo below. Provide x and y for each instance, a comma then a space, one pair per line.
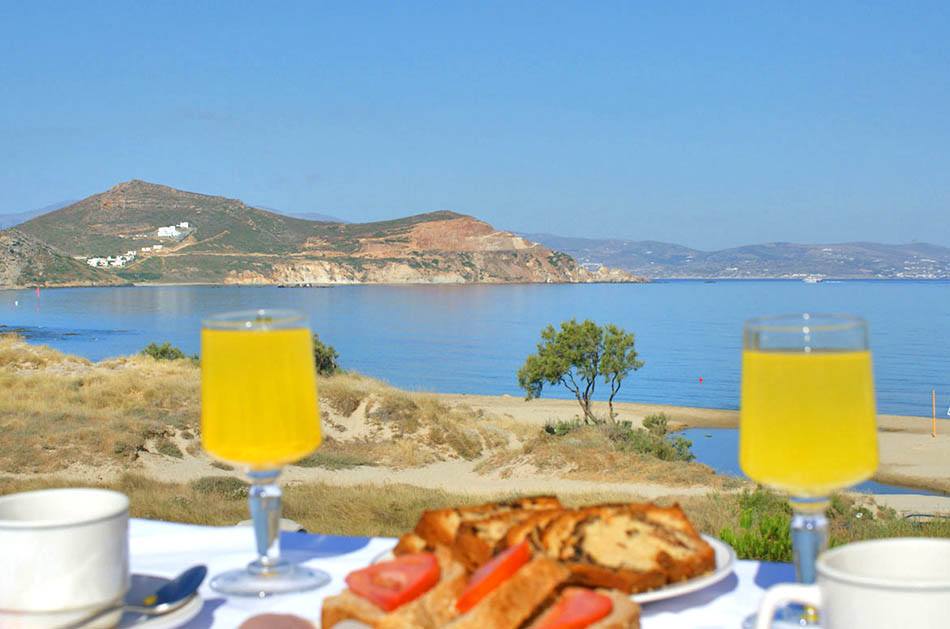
325, 357
222, 466
166, 351
341, 398
398, 409
625, 438
465, 442
657, 424
334, 460
763, 527
168, 448
224, 486
650, 442
559, 428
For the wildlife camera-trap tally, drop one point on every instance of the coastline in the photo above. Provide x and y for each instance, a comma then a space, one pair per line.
146, 412
641, 280
909, 456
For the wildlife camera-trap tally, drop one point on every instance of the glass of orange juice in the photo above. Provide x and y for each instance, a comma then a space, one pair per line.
259, 411
807, 420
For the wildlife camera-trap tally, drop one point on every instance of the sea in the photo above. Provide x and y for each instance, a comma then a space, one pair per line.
473, 338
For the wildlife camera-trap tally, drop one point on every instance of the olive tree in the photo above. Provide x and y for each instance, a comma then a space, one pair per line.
574, 356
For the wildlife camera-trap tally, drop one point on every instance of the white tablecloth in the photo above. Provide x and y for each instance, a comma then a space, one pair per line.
165, 549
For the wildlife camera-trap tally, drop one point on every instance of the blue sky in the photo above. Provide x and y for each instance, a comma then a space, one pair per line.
705, 123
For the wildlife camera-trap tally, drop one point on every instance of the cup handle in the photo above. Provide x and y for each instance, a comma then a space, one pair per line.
782, 595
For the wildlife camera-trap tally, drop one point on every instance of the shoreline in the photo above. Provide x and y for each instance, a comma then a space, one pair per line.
480, 442
909, 456
651, 280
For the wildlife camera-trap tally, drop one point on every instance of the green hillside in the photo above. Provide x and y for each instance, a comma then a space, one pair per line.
224, 240
114, 221
108, 223
24, 261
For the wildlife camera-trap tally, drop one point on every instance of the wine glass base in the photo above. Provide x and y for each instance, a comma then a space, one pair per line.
788, 617
289, 579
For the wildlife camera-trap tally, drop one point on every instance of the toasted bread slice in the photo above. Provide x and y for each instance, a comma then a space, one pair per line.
515, 600
409, 544
632, 548
433, 609
439, 527
348, 606
625, 614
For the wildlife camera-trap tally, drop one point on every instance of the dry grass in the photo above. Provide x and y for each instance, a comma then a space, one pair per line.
15, 353
344, 392
335, 456
357, 510
400, 429
586, 453
56, 410
390, 510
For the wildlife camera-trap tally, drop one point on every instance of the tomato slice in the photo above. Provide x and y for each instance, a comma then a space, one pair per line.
576, 609
493, 574
389, 584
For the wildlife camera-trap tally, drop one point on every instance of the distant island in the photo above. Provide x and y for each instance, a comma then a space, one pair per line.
140, 232
777, 260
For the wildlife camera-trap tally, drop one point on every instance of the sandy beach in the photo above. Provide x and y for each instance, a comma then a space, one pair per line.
909, 455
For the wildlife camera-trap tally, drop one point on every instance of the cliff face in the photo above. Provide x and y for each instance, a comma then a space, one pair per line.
26, 262
226, 241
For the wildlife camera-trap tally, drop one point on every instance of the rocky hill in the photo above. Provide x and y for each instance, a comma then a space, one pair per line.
26, 262
211, 239
855, 260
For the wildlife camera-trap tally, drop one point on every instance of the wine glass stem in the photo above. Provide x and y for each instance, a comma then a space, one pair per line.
809, 539
264, 499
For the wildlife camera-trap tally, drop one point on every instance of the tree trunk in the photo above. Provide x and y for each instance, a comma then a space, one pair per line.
614, 388
589, 416
583, 397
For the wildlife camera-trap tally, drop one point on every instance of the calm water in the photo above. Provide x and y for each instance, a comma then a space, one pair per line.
719, 449
472, 339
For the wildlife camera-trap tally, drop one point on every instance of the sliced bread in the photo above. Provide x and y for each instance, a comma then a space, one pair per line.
632, 548
439, 527
513, 602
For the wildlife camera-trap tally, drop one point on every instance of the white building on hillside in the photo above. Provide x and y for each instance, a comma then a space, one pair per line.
178, 231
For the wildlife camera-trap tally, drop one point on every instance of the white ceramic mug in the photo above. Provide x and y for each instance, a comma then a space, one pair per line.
65, 553
901, 583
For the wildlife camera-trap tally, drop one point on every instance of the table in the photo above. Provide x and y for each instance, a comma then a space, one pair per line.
165, 549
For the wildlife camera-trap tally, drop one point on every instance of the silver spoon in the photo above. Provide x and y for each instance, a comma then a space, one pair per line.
169, 598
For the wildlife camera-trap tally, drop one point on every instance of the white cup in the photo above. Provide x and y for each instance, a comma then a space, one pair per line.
887, 583
65, 554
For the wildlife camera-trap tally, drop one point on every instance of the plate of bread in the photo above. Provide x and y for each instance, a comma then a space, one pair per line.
531, 563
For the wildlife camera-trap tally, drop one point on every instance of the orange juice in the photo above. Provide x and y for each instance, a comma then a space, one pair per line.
807, 421
259, 396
